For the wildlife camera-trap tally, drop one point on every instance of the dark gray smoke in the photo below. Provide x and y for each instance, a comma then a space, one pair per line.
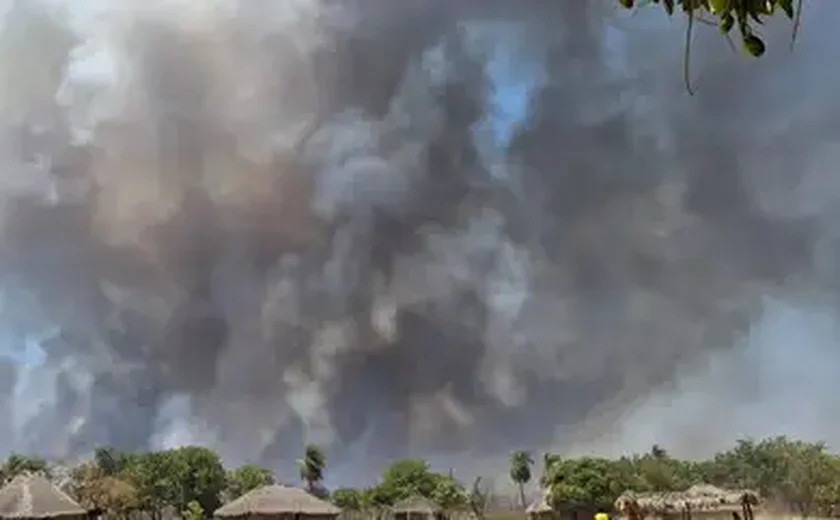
254, 226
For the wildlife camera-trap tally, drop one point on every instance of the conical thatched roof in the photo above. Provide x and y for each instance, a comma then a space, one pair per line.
275, 500
416, 504
701, 497
541, 505
32, 495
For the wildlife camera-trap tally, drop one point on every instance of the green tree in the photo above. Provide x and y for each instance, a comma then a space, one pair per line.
312, 467
107, 460
591, 481
348, 499
156, 475
193, 511
448, 493
16, 464
520, 472
246, 478
201, 477
402, 479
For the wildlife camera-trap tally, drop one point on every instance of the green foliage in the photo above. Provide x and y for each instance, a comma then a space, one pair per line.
203, 477
413, 477
802, 476
448, 493
348, 498
520, 466
16, 464
520, 472
175, 478
246, 478
312, 467
748, 15
193, 511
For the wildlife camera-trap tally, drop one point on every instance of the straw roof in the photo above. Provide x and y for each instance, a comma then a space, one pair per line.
31, 495
541, 505
701, 497
416, 504
276, 500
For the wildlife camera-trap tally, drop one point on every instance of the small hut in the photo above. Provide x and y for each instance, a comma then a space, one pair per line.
31, 496
548, 508
541, 509
416, 508
277, 502
704, 501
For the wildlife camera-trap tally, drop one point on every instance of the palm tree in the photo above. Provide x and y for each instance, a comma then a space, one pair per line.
520, 471
312, 467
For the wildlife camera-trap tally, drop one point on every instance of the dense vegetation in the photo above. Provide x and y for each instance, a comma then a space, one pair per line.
800, 476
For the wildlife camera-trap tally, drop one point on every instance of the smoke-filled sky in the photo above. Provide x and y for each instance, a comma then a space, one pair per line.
412, 230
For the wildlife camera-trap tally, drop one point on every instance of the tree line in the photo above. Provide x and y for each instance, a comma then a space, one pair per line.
191, 481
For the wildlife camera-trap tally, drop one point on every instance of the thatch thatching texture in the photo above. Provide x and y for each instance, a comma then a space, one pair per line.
542, 505
32, 496
277, 501
696, 499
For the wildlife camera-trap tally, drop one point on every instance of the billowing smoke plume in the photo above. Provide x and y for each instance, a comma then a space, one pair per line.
251, 224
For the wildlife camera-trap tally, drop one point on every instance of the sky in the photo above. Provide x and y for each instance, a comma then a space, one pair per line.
512, 83
512, 77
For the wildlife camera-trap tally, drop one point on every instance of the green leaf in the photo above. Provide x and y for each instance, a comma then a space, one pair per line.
726, 23
754, 45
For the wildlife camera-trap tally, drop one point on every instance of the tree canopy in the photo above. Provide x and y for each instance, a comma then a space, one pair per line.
803, 477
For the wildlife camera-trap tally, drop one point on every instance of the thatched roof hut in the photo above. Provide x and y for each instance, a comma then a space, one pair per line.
546, 507
278, 502
32, 496
416, 508
701, 499
540, 507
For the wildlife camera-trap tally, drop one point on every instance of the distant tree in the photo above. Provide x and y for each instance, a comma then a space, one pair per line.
201, 478
348, 499
402, 479
246, 478
157, 477
107, 459
312, 467
591, 481
520, 472
16, 464
448, 493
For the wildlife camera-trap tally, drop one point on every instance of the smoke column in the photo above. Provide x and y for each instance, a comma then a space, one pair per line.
252, 225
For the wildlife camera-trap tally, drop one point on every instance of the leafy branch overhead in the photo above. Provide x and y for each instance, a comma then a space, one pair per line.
746, 14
